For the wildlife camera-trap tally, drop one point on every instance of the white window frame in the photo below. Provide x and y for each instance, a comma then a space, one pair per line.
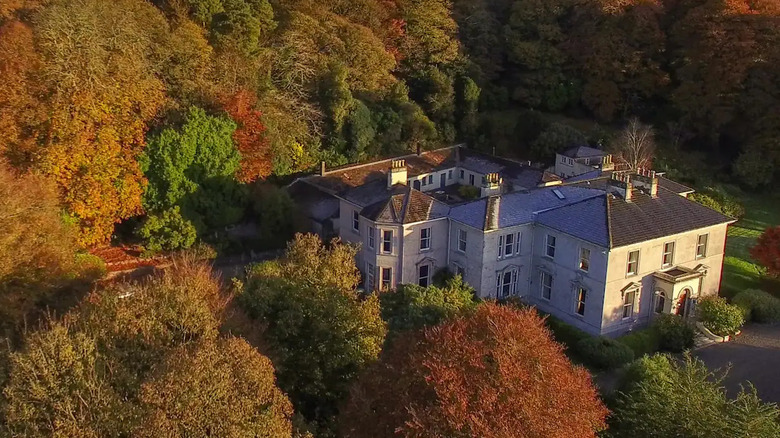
356, 221
584, 262
462, 239
389, 283
458, 269
703, 246
370, 280
427, 278
664, 263
449, 174
629, 306
563, 159
660, 298
430, 179
386, 241
581, 295
543, 287
425, 241
629, 273
506, 289
371, 237
548, 246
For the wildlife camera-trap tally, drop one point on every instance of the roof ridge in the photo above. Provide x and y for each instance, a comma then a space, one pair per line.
384, 160
608, 211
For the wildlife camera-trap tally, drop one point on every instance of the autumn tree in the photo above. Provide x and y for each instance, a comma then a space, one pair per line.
320, 331
767, 250
635, 146
665, 397
144, 359
100, 74
496, 373
38, 250
249, 136
216, 388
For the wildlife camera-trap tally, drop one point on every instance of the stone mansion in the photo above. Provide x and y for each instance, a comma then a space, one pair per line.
602, 249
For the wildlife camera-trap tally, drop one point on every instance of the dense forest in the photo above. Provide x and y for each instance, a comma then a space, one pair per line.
168, 108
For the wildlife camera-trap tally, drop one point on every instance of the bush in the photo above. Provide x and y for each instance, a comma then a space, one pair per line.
468, 192
604, 353
675, 333
719, 200
720, 317
563, 333
758, 306
642, 342
167, 231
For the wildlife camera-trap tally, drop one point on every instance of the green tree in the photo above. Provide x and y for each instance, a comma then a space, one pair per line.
277, 216
665, 398
555, 138
321, 333
193, 167
167, 231
243, 25
411, 307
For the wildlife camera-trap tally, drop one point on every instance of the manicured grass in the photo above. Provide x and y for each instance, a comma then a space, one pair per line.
740, 271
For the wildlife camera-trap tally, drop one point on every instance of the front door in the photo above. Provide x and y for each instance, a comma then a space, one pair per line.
443, 181
416, 184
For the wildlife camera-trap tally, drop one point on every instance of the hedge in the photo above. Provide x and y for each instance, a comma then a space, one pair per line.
675, 333
604, 353
720, 317
758, 306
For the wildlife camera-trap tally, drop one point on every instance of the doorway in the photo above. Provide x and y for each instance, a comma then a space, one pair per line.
443, 180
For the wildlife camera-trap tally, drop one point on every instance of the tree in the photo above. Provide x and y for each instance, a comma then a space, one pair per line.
167, 231
100, 75
635, 146
249, 136
277, 216
554, 139
57, 387
666, 398
216, 388
321, 333
38, 250
767, 250
193, 167
412, 307
242, 25
478, 375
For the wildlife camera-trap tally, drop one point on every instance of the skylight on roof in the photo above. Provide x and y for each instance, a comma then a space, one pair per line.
558, 194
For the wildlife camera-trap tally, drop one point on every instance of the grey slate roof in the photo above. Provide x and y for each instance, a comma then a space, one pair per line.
519, 207
583, 152
586, 220
645, 218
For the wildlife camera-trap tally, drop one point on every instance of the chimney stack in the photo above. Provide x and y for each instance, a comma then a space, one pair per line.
419, 149
606, 163
620, 184
647, 180
397, 173
492, 185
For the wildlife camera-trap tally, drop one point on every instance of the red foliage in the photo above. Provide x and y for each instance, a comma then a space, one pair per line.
249, 136
767, 250
497, 373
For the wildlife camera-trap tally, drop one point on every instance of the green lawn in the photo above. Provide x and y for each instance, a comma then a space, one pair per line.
739, 270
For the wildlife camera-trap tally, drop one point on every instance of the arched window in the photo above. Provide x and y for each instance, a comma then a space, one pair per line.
660, 301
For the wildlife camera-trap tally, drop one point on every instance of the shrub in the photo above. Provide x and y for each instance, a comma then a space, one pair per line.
718, 200
720, 317
758, 306
604, 353
468, 192
563, 333
642, 342
167, 231
675, 333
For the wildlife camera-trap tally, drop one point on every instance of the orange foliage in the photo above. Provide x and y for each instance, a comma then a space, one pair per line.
767, 250
497, 373
249, 136
20, 110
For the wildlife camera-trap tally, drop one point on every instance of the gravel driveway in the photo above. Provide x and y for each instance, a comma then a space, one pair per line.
754, 356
